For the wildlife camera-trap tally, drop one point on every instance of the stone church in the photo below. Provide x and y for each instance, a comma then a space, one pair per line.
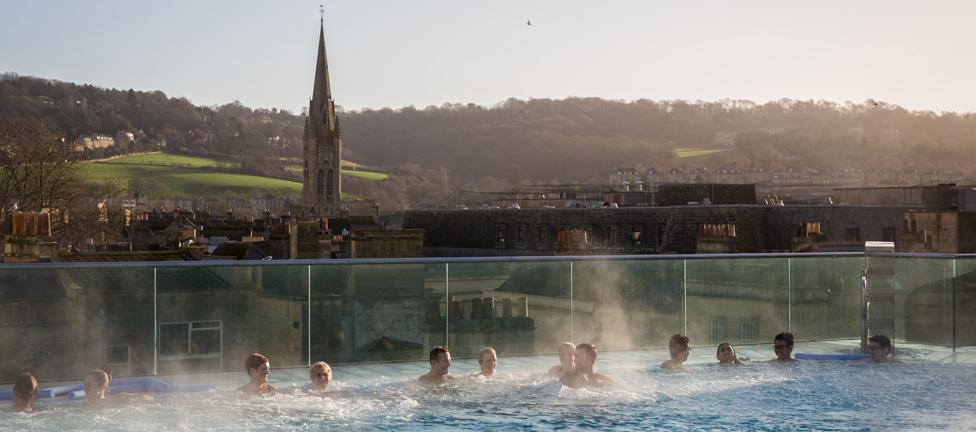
322, 150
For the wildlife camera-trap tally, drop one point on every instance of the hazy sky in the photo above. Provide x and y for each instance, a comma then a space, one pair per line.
916, 54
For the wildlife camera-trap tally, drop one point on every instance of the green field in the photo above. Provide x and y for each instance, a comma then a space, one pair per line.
189, 181
682, 153
196, 176
368, 175
164, 159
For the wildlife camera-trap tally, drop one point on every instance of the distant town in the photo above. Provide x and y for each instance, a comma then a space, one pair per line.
97, 174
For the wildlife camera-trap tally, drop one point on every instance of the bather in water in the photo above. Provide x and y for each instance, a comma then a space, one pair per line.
583, 375
726, 355
258, 368
97, 383
488, 361
678, 347
783, 347
440, 363
879, 350
25, 389
320, 375
567, 362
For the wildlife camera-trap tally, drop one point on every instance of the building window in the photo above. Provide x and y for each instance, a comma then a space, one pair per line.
117, 355
718, 331
330, 185
611, 235
747, 332
500, 235
852, 234
543, 234
320, 184
191, 340
888, 234
635, 234
520, 234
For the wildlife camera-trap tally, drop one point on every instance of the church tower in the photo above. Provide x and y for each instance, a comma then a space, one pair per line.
322, 151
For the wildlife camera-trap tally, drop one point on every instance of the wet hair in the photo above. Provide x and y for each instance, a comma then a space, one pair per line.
435, 353
103, 378
588, 347
25, 388
677, 343
319, 365
254, 361
882, 340
785, 337
484, 350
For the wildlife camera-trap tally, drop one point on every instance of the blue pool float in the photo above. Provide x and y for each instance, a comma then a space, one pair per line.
804, 356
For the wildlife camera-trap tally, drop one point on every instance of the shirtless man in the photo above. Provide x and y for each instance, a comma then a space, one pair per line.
258, 368
583, 374
783, 347
566, 360
440, 362
488, 360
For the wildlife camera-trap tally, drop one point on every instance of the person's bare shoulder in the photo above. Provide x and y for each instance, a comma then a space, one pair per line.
555, 370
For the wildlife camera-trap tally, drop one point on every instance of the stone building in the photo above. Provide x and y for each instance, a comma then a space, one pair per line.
322, 150
641, 230
928, 231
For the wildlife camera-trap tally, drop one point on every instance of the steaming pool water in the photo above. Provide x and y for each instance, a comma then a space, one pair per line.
812, 395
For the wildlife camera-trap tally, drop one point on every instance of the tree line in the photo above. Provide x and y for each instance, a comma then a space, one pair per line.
524, 141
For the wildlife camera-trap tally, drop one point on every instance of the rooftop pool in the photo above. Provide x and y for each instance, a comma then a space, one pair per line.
934, 388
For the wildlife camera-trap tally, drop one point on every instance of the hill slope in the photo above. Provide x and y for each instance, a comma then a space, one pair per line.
537, 140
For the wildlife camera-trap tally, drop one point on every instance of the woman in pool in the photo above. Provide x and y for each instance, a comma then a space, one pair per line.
678, 346
320, 375
487, 361
258, 368
97, 383
96, 386
25, 389
726, 355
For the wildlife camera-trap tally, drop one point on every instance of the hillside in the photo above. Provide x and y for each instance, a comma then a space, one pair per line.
515, 142
162, 175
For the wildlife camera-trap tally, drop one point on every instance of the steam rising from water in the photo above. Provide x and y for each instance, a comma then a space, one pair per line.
811, 396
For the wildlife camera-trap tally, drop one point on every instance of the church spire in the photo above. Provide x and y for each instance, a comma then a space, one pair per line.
322, 149
321, 92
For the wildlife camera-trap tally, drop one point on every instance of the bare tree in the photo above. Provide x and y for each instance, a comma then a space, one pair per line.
38, 169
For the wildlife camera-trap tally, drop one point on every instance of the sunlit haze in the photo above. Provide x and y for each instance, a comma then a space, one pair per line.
398, 53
